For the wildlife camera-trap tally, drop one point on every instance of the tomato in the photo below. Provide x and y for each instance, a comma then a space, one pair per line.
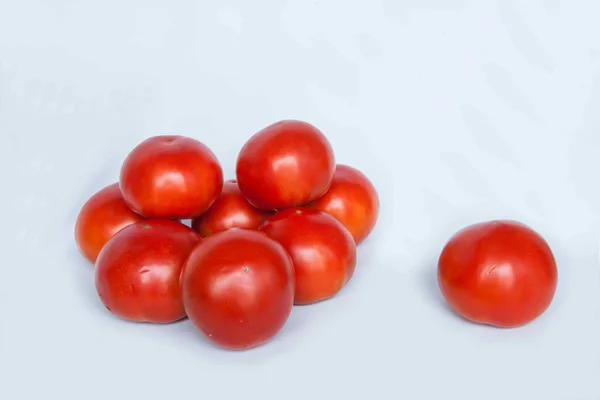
322, 249
287, 164
238, 288
500, 273
102, 215
138, 270
171, 176
353, 200
230, 210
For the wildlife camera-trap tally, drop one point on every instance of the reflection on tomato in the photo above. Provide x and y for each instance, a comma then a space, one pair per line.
171, 176
138, 270
230, 210
322, 249
102, 215
353, 200
238, 288
286, 164
499, 273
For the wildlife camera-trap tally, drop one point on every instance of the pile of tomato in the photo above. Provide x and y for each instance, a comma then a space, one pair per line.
284, 232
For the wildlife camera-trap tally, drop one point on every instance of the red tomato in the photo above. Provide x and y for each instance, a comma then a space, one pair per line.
353, 200
171, 177
103, 215
238, 288
322, 249
138, 270
230, 210
287, 164
500, 273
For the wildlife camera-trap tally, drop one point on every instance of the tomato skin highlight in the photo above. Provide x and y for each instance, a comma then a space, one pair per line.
238, 288
322, 250
286, 164
500, 273
138, 270
171, 176
353, 200
103, 215
230, 210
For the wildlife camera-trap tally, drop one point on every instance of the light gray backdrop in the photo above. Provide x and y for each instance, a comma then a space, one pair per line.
458, 110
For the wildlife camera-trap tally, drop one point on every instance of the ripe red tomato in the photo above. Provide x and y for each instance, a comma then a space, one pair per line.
102, 215
138, 270
230, 210
500, 273
322, 249
238, 288
171, 176
287, 164
353, 200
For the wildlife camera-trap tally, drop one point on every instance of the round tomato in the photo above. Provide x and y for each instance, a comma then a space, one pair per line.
322, 249
287, 164
171, 176
138, 270
238, 288
230, 210
102, 215
500, 273
353, 200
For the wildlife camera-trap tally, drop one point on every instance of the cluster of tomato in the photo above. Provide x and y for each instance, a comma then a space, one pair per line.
284, 232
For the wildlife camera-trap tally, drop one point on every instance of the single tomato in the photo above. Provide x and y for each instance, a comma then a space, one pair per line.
102, 215
353, 200
230, 210
322, 249
287, 164
238, 288
171, 176
138, 270
500, 273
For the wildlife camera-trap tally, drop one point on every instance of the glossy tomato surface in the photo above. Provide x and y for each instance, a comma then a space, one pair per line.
230, 210
353, 200
138, 270
322, 249
238, 288
171, 176
287, 164
499, 273
102, 215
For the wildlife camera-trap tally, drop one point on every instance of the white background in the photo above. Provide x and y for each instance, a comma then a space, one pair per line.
458, 110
